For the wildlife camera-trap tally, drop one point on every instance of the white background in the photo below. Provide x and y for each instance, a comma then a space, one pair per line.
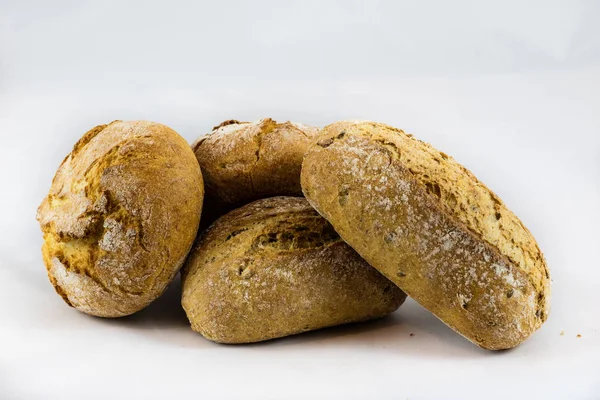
510, 88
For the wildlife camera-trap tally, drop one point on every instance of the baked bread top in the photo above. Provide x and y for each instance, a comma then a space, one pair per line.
365, 176
120, 217
275, 267
246, 161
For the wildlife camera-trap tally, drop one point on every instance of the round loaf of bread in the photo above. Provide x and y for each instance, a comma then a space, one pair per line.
121, 216
246, 161
431, 227
275, 268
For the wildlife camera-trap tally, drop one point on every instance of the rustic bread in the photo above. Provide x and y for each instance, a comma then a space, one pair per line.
274, 268
246, 161
431, 227
121, 216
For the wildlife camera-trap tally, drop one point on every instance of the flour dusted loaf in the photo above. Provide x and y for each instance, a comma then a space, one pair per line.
121, 216
246, 161
430, 226
274, 268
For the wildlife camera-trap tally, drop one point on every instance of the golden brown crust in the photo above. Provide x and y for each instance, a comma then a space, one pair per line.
430, 226
275, 268
121, 215
246, 161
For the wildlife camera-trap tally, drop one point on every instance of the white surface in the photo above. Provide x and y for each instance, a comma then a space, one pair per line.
510, 88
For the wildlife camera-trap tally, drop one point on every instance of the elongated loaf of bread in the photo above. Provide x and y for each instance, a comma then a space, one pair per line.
274, 268
121, 216
246, 161
431, 227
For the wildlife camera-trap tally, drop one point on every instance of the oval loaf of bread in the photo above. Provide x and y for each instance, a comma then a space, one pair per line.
275, 268
431, 227
246, 161
121, 216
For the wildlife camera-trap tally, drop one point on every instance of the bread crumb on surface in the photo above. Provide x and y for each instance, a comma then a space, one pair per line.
562, 333
578, 335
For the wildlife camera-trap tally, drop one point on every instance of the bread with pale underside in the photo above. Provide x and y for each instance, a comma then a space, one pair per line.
275, 268
430, 226
122, 213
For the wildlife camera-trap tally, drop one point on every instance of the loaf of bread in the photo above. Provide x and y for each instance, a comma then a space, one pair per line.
246, 161
430, 226
121, 216
275, 268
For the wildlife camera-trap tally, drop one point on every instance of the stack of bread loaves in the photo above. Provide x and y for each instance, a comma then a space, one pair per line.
301, 229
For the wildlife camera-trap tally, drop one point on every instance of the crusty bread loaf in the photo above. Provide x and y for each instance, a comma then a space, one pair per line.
121, 216
246, 161
275, 268
430, 226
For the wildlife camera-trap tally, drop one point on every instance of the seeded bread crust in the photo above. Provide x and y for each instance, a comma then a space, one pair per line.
246, 161
275, 268
121, 216
431, 227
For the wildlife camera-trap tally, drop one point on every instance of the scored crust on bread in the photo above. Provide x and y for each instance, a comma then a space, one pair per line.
274, 268
430, 226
